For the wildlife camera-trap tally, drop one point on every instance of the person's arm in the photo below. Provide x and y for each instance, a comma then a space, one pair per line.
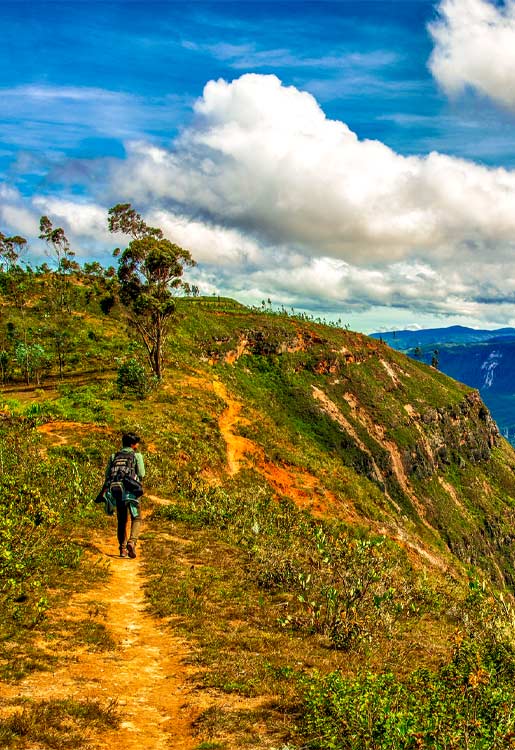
108, 468
140, 464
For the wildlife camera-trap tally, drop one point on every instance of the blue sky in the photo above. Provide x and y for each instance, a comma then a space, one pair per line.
354, 159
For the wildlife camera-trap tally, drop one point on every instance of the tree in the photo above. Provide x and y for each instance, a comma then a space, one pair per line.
4, 365
15, 282
63, 345
150, 269
434, 359
57, 239
32, 360
10, 248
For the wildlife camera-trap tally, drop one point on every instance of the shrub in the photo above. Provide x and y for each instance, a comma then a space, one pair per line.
38, 500
133, 378
465, 704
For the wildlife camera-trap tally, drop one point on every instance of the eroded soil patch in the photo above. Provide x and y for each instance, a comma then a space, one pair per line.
300, 486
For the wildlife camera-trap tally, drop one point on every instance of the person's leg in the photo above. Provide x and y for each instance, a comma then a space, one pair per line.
121, 531
135, 514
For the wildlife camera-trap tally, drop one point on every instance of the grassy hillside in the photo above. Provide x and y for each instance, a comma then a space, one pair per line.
329, 525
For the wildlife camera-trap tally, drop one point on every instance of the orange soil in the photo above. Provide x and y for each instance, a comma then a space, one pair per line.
300, 486
59, 432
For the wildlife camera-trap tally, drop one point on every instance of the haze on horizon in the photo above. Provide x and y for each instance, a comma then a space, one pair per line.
336, 159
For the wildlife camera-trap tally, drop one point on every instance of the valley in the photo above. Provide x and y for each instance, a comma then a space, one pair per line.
482, 359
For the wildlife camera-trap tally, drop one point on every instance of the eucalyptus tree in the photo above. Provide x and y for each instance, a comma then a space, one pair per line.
15, 281
65, 263
10, 249
150, 270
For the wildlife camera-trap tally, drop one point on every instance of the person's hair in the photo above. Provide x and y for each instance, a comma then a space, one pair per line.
129, 439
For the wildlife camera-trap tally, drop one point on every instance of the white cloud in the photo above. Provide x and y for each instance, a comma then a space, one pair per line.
16, 217
249, 56
274, 199
264, 159
57, 117
207, 243
85, 224
475, 47
82, 219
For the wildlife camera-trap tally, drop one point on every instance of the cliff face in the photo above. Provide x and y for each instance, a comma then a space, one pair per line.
482, 359
451, 435
404, 449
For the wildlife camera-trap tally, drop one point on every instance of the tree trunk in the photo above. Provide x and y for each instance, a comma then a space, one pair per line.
159, 354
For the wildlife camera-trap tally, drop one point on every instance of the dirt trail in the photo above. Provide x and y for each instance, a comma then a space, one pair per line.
60, 433
144, 674
300, 486
237, 446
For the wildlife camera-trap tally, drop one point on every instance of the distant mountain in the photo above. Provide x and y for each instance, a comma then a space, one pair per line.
404, 340
481, 359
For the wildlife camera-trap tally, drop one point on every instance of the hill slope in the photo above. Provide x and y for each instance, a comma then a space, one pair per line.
401, 447
321, 514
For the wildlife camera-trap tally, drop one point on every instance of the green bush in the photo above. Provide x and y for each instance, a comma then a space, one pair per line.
39, 499
134, 379
338, 585
467, 703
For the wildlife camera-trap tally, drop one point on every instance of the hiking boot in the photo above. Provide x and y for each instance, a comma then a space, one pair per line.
131, 548
123, 551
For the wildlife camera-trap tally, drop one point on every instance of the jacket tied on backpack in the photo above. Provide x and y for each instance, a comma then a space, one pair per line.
123, 480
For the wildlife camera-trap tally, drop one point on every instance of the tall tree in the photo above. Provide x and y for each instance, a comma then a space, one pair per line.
66, 265
10, 248
150, 269
14, 280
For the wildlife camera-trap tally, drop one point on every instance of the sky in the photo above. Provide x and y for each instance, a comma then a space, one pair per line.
354, 160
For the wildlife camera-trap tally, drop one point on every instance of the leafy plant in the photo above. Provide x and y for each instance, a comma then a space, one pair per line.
133, 378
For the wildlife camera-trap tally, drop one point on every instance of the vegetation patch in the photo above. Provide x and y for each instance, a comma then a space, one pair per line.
57, 724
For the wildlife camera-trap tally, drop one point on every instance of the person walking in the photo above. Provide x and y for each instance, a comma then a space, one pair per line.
123, 477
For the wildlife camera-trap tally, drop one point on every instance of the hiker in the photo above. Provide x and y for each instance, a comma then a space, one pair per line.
124, 473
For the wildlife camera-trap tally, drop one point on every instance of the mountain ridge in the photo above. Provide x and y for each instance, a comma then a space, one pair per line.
482, 359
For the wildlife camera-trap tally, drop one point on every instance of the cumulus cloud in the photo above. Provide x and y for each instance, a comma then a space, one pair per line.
475, 47
264, 159
276, 200
207, 243
83, 219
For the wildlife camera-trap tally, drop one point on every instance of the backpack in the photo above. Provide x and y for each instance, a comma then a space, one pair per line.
123, 472
123, 466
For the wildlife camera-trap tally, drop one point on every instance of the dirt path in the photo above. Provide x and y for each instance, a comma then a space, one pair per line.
144, 674
238, 447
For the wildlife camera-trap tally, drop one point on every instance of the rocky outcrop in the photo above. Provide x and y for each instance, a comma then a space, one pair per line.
324, 360
458, 434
